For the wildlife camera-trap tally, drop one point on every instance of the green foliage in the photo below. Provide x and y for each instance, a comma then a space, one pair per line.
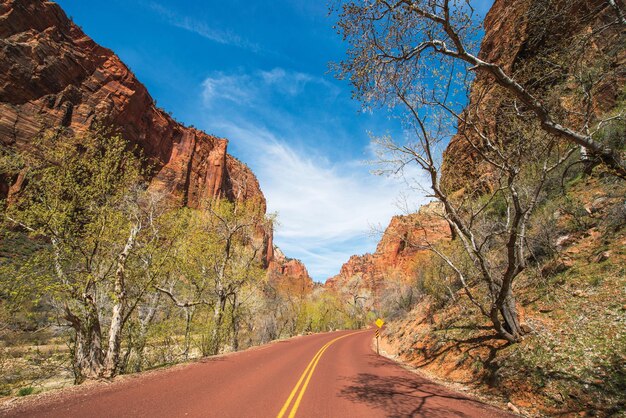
192, 281
613, 133
497, 206
73, 181
26, 391
15, 245
81, 197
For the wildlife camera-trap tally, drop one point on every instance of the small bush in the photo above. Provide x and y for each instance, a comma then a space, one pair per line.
28, 390
578, 218
595, 280
613, 134
543, 234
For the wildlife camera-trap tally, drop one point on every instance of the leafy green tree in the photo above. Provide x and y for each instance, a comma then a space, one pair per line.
85, 196
216, 260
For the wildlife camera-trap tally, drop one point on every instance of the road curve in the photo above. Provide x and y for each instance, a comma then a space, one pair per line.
333, 374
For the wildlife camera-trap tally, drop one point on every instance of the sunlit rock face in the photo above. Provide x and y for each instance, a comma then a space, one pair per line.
289, 275
53, 75
395, 257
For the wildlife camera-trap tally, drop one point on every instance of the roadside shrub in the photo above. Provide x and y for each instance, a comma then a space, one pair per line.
398, 298
28, 390
616, 217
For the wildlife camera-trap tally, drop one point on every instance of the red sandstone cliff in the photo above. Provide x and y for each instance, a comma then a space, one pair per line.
53, 75
523, 36
289, 274
404, 238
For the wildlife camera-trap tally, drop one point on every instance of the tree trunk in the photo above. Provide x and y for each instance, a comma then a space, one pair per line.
144, 324
115, 340
123, 363
235, 325
511, 319
187, 343
218, 316
117, 316
510, 330
88, 357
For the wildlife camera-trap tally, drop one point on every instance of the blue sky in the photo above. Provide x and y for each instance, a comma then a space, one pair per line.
256, 72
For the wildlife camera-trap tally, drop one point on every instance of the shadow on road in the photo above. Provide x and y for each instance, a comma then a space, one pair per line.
406, 395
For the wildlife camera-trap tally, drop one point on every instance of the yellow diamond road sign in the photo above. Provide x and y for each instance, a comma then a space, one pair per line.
380, 323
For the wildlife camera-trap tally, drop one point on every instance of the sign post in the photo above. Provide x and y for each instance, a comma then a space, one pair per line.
379, 323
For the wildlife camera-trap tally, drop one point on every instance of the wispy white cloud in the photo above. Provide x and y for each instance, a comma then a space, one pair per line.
326, 207
290, 83
234, 88
327, 211
200, 28
246, 88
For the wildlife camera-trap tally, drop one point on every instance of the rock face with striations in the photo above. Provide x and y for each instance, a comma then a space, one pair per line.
52, 75
404, 238
520, 34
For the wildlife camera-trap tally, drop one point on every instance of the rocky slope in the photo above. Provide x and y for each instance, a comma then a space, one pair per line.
404, 238
53, 75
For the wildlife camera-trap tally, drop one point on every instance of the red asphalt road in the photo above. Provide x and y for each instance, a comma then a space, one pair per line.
349, 380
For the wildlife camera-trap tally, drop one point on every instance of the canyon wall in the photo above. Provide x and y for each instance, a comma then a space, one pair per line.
517, 34
289, 275
394, 258
52, 75
548, 47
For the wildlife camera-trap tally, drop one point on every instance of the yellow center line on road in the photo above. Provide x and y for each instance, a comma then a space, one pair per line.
306, 377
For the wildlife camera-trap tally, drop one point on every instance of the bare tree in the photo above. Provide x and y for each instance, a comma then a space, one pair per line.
357, 299
431, 46
418, 56
491, 227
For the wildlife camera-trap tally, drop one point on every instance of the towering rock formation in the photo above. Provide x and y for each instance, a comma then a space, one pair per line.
53, 75
404, 238
289, 275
